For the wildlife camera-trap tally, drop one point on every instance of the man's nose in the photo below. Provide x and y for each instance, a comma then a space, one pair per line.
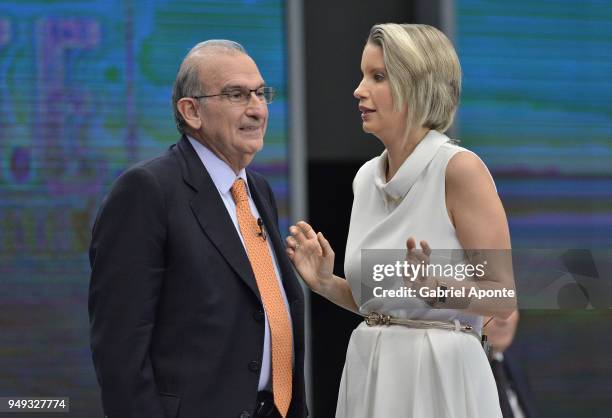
256, 107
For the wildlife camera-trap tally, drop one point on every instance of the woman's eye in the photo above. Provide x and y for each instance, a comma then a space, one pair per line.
379, 77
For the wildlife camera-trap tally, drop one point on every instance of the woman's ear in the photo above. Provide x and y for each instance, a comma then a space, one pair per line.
190, 111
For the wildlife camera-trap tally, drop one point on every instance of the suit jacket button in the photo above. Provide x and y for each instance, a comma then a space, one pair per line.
245, 414
258, 315
254, 366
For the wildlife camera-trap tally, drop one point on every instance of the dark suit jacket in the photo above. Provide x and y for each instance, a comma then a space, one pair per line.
177, 322
516, 378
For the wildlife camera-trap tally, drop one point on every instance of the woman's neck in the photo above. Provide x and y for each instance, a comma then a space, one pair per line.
398, 151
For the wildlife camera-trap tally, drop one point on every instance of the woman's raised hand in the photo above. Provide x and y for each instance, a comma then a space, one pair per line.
416, 257
311, 255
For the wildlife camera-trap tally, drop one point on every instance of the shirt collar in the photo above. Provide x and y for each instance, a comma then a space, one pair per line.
220, 172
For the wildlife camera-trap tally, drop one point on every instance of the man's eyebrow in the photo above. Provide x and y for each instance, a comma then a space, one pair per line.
240, 86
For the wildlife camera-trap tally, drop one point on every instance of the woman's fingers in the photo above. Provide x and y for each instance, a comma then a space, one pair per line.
415, 255
422, 254
419, 255
291, 242
306, 230
325, 246
426, 248
297, 234
302, 232
410, 244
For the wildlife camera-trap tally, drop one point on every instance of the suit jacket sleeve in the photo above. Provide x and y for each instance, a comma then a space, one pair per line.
127, 261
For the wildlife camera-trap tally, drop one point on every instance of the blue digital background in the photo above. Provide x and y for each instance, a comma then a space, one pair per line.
537, 107
85, 91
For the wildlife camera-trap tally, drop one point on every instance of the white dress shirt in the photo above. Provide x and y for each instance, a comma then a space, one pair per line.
223, 177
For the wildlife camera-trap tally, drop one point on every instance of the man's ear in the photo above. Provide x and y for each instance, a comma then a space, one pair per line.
190, 111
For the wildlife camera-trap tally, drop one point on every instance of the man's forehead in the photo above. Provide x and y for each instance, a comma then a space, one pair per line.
226, 70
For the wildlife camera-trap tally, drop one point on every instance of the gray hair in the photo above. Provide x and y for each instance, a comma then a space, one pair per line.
187, 82
424, 72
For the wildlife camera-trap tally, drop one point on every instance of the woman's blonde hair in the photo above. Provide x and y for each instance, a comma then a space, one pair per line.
423, 70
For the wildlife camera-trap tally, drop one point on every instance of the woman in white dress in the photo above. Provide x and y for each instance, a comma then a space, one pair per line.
425, 187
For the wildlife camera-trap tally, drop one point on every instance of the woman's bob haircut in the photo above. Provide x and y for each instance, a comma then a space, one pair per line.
423, 70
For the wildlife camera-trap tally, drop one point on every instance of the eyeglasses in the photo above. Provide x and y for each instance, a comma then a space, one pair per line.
242, 95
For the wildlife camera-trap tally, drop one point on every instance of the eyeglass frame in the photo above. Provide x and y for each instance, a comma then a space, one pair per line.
272, 91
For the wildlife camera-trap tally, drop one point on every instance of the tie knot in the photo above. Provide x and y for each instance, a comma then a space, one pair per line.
239, 191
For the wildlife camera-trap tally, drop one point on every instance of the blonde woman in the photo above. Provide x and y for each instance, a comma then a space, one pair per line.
423, 188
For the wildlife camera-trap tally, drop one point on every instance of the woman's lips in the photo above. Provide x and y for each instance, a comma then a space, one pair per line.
365, 112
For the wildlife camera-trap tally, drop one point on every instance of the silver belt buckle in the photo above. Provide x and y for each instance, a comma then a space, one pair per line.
375, 318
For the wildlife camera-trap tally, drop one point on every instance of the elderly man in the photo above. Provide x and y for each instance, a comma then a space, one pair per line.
195, 310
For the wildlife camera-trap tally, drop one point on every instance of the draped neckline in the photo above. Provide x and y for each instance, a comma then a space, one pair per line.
398, 187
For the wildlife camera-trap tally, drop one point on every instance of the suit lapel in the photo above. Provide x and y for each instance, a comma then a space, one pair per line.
212, 215
520, 384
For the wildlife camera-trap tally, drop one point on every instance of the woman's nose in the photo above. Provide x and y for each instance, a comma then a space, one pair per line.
358, 93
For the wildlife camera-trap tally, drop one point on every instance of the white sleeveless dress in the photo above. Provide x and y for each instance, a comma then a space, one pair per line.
396, 371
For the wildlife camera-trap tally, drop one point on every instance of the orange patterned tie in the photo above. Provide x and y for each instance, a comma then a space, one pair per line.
269, 289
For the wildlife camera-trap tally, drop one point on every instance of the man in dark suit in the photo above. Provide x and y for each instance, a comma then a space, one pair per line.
515, 397
194, 307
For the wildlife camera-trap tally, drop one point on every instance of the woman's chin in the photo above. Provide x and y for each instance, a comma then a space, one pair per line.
367, 127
